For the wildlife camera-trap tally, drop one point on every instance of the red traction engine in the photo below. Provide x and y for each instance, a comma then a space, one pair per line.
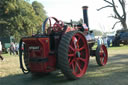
64, 46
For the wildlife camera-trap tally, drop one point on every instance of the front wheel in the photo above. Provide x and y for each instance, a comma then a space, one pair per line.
73, 55
101, 55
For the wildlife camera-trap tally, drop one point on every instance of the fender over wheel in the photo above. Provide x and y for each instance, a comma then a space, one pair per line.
73, 55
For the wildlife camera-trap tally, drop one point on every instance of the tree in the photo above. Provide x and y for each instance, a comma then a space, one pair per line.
120, 18
39, 9
18, 18
40, 12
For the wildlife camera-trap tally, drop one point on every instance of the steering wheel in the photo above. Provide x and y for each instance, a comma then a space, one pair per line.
48, 26
58, 26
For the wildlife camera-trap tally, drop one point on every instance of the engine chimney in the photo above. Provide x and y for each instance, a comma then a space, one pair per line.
85, 15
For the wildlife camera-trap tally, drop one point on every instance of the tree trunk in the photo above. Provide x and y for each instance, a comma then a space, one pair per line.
124, 25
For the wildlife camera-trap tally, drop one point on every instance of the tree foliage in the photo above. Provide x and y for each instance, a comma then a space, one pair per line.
121, 17
19, 18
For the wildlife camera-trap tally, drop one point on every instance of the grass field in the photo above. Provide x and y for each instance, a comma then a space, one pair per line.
114, 73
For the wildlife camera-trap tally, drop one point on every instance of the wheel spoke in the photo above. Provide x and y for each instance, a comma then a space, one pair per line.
77, 43
71, 61
71, 48
101, 59
81, 59
78, 39
78, 66
104, 54
71, 55
73, 67
101, 54
74, 40
81, 48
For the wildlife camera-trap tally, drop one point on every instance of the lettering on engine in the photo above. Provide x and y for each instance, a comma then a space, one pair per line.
34, 48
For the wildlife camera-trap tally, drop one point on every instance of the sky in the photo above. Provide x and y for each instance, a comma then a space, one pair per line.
66, 10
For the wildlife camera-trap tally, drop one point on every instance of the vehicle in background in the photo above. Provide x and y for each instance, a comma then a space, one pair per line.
121, 37
111, 38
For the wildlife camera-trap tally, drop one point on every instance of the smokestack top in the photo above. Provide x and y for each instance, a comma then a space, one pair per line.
85, 15
85, 7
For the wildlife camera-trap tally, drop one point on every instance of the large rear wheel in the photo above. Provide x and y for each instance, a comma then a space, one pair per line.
73, 55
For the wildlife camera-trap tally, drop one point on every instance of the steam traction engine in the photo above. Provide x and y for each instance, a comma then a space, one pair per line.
63, 46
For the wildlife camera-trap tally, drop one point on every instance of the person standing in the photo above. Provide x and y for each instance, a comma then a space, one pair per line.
99, 41
16, 49
105, 39
12, 48
1, 51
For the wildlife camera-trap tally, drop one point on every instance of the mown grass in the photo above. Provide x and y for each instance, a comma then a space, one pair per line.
114, 73
9, 66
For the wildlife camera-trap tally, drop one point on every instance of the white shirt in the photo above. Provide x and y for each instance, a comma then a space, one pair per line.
0, 46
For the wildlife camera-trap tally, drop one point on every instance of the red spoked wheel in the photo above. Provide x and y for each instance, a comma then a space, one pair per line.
101, 55
73, 55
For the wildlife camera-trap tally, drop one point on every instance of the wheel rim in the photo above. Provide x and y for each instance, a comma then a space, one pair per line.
78, 55
103, 55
